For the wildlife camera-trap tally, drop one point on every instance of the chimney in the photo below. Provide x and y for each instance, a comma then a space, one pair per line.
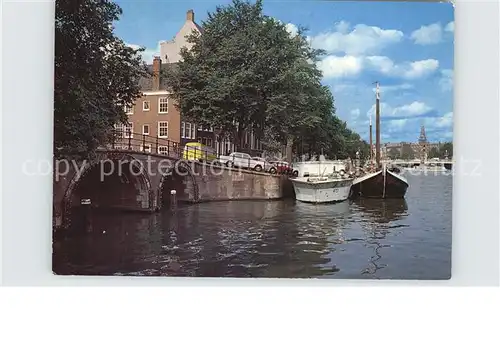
190, 15
156, 72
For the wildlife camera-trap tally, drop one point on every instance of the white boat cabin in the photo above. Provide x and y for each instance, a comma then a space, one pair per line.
320, 168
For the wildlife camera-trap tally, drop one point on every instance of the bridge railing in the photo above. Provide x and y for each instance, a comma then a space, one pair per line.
128, 140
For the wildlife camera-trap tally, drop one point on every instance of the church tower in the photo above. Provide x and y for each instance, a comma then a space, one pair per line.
423, 144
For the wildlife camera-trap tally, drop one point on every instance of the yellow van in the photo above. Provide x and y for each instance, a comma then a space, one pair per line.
199, 152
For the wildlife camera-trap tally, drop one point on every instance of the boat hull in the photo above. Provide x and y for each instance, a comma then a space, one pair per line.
380, 185
329, 191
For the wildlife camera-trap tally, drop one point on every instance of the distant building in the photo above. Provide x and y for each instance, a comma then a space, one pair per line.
420, 149
170, 50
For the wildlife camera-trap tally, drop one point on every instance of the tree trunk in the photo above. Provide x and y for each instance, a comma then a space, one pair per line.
288, 151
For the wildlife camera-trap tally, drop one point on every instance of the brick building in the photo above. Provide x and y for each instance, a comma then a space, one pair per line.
155, 114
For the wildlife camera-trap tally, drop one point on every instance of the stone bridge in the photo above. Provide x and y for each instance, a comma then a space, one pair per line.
131, 180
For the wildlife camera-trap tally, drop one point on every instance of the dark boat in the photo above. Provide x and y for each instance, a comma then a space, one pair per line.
383, 184
447, 166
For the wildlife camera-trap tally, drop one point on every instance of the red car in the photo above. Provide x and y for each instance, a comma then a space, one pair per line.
282, 167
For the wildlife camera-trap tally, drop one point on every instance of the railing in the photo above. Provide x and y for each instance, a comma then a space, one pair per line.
127, 140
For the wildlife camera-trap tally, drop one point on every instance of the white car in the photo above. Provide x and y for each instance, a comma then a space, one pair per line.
242, 160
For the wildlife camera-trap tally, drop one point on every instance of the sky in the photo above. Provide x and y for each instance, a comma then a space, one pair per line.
407, 47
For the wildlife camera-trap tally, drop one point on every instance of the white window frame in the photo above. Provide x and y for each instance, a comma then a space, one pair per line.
144, 107
183, 130
129, 110
200, 127
193, 131
148, 148
159, 129
164, 148
122, 129
160, 104
145, 125
131, 128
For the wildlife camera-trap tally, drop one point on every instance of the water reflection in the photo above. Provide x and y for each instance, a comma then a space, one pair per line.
379, 219
240, 239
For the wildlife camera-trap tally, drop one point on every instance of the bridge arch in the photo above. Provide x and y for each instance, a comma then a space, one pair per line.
114, 180
180, 178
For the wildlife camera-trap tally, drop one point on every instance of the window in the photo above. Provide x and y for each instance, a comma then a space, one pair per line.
193, 131
163, 150
145, 105
163, 105
145, 129
188, 130
146, 148
205, 141
204, 127
129, 110
163, 129
122, 131
129, 130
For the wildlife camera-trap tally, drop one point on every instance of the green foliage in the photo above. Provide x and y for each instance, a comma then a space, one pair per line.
407, 152
394, 154
434, 152
446, 150
96, 74
247, 71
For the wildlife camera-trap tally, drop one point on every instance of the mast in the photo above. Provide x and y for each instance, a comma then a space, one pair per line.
371, 141
377, 126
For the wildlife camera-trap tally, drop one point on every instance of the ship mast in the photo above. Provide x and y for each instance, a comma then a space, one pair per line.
377, 126
371, 141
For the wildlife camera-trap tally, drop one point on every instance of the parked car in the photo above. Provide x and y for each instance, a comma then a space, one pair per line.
242, 160
282, 167
198, 152
267, 164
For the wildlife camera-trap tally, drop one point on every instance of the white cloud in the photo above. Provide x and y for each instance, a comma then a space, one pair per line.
409, 70
362, 39
347, 66
148, 53
396, 125
446, 81
397, 87
437, 128
445, 121
292, 29
414, 109
355, 113
450, 27
337, 67
428, 35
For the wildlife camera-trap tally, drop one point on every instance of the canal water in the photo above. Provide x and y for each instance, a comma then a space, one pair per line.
362, 239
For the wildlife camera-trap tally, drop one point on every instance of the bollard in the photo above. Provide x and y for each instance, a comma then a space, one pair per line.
86, 214
173, 199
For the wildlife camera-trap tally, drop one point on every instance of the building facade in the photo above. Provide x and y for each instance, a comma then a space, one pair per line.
155, 113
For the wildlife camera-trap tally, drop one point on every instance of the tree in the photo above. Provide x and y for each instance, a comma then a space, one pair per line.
407, 152
446, 150
434, 152
394, 153
247, 71
96, 76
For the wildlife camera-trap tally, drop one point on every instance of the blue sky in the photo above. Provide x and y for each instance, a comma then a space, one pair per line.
406, 46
